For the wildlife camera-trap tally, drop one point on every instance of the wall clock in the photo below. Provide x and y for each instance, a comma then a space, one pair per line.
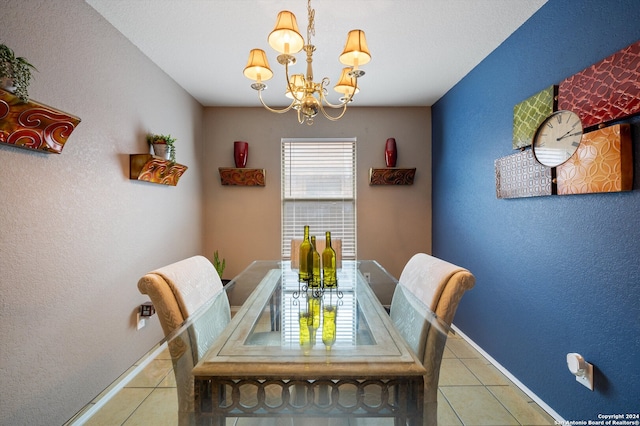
557, 138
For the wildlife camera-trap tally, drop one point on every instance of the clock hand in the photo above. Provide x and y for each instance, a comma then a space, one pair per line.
566, 135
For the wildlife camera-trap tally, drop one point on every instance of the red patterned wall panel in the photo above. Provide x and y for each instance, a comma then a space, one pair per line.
605, 91
602, 163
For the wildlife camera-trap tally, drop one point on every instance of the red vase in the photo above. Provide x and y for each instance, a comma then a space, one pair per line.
240, 153
390, 152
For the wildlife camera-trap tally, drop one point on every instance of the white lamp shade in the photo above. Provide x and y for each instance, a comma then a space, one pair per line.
257, 66
285, 37
356, 51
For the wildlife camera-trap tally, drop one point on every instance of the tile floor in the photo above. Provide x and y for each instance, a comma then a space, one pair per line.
471, 392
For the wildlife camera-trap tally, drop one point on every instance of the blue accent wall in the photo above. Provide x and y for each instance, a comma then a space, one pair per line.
555, 274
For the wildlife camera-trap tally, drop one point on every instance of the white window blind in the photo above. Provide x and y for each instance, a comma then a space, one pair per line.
319, 190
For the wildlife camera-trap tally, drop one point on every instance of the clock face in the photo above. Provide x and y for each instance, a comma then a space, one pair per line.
557, 138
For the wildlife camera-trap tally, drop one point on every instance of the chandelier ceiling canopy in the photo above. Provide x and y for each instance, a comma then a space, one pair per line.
308, 98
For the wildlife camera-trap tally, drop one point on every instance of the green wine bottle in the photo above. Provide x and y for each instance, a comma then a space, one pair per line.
304, 259
330, 278
316, 278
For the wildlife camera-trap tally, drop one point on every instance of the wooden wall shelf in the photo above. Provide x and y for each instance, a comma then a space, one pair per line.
242, 177
33, 125
149, 168
391, 176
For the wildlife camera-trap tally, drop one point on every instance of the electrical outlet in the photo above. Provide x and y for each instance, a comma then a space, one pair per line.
581, 369
141, 322
587, 378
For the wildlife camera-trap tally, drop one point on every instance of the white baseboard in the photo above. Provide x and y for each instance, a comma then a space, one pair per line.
511, 377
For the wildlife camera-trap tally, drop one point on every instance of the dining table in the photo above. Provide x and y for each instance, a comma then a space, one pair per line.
298, 351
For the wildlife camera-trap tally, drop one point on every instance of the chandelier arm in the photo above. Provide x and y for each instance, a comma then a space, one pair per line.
278, 111
338, 117
341, 104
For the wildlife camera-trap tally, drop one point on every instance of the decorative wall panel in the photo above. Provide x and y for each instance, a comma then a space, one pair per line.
153, 169
391, 176
528, 114
520, 175
602, 163
242, 177
33, 125
605, 91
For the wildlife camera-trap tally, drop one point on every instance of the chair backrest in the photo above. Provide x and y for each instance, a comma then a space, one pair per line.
428, 282
336, 245
188, 289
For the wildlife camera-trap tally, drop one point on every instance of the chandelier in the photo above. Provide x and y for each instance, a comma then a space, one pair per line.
307, 97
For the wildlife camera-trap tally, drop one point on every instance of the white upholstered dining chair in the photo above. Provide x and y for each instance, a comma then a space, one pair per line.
428, 284
177, 291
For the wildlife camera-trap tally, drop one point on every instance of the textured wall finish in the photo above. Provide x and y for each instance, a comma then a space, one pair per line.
75, 233
554, 274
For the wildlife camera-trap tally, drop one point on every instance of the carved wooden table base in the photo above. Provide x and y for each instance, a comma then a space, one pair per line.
400, 398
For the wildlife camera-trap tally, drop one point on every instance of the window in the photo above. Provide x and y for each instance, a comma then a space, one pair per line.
319, 190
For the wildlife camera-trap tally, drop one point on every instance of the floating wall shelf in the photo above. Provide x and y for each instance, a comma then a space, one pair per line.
242, 177
149, 168
391, 176
33, 125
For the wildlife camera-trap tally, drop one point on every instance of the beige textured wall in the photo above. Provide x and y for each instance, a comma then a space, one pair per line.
243, 223
75, 232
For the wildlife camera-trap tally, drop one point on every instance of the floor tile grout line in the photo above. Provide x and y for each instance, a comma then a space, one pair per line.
455, 412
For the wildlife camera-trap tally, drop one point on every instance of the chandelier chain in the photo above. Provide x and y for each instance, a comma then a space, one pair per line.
311, 28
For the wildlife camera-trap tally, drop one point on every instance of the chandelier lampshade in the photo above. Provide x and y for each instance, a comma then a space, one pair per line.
257, 66
285, 37
356, 51
308, 98
297, 84
347, 84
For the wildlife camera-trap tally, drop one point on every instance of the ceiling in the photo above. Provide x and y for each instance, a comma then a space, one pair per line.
419, 48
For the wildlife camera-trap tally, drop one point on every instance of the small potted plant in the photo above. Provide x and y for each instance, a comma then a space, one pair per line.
163, 146
220, 265
15, 73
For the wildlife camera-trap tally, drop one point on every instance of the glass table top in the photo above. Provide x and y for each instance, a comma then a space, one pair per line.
283, 323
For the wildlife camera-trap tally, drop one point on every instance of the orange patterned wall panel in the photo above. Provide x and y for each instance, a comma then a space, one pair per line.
33, 125
242, 177
602, 163
153, 169
391, 176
